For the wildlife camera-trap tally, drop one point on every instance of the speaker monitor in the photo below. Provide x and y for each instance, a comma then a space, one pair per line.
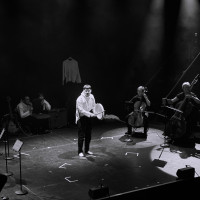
98, 192
185, 173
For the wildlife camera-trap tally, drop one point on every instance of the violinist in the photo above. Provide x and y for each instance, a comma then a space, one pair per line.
137, 117
186, 102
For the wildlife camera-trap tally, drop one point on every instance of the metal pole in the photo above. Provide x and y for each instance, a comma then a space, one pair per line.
8, 157
21, 191
7, 172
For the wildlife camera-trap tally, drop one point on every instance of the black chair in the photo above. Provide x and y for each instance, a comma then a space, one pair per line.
23, 128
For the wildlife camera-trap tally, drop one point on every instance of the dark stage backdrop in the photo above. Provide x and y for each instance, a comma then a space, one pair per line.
106, 37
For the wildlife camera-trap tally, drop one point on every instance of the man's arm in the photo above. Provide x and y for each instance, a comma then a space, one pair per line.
194, 98
170, 101
22, 113
146, 99
46, 105
82, 110
93, 103
133, 98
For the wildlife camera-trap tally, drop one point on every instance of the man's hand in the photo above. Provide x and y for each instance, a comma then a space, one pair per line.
189, 96
164, 101
144, 95
93, 115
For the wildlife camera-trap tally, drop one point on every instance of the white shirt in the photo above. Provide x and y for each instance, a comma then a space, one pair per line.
24, 110
46, 105
84, 105
71, 71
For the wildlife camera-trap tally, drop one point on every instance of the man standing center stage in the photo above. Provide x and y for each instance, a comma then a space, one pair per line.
85, 104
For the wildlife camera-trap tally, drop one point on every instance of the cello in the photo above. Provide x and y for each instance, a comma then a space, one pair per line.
136, 117
178, 123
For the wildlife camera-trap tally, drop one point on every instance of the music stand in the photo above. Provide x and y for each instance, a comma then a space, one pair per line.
17, 148
7, 172
158, 162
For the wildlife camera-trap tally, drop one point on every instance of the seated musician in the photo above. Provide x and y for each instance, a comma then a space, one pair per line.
140, 102
24, 110
191, 102
41, 107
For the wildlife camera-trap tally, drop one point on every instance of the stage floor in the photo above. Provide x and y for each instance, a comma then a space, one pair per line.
51, 168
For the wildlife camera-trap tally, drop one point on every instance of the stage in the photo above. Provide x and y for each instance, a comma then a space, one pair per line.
51, 168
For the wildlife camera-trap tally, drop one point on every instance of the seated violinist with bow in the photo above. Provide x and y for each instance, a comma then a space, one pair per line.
137, 117
180, 124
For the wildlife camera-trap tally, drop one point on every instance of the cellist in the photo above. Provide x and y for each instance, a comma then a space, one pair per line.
191, 101
140, 101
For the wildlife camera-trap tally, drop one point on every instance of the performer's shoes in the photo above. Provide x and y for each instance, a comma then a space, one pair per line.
128, 133
5, 198
89, 153
81, 154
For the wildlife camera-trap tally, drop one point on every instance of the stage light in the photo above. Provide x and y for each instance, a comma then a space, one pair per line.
153, 29
189, 14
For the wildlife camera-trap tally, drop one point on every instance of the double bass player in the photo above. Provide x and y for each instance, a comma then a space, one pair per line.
187, 102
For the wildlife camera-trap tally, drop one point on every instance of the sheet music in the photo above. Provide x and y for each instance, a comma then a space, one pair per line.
17, 146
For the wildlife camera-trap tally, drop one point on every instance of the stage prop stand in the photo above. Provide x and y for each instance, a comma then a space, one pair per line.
17, 148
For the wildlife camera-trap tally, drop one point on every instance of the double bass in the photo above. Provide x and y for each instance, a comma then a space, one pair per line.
178, 123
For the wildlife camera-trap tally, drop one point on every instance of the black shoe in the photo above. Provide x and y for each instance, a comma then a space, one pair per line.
133, 133
145, 134
128, 133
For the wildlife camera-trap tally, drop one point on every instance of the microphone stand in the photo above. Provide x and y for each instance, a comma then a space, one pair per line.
165, 144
